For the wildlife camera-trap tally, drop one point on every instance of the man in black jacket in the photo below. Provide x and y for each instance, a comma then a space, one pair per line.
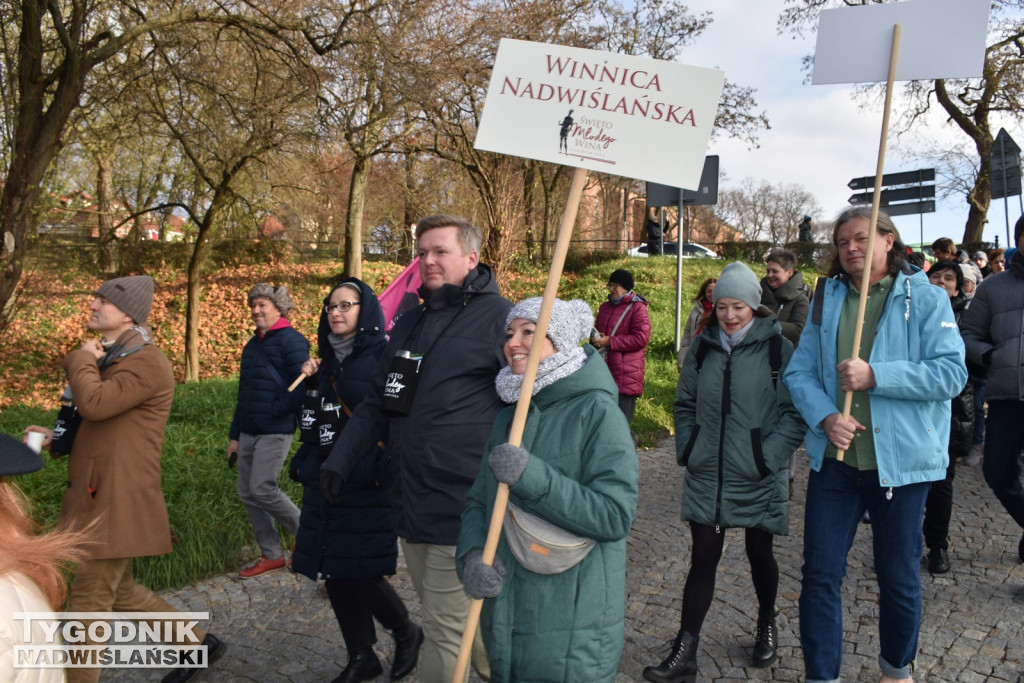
992, 335
433, 403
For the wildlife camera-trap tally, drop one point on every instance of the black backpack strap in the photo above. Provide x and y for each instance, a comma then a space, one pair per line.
775, 357
702, 351
818, 301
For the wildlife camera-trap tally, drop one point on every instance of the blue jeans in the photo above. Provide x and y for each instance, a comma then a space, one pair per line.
837, 497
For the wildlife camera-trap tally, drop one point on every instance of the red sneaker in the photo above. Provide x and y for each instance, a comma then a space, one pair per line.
262, 567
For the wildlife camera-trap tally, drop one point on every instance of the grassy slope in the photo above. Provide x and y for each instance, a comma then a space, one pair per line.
210, 523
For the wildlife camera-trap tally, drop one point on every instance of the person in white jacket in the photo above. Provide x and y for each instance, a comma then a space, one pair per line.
30, 576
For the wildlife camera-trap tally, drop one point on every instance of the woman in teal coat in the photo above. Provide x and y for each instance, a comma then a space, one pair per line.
735, 431
576, 470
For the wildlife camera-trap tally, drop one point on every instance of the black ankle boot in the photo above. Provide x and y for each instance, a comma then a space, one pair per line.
363, 665
681, 664
766, 640
407, 649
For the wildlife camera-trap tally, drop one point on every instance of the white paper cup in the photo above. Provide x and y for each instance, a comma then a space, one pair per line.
35, 440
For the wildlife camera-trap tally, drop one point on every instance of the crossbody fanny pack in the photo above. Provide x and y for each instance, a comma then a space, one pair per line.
540, 546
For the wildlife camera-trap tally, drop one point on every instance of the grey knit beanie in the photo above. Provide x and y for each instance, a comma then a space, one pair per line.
570, 324
133, 295
277, 295
737, 281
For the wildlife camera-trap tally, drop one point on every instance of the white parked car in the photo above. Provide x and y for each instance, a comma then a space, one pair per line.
690, 250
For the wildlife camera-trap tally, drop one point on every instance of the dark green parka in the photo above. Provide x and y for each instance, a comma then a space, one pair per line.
582, 476
735, 431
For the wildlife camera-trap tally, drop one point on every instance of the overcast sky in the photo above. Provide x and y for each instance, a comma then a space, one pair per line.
820, 138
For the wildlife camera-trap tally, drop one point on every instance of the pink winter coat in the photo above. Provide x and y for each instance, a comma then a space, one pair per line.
628, 346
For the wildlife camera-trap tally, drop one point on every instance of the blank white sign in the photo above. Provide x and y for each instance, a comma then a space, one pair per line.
938, 39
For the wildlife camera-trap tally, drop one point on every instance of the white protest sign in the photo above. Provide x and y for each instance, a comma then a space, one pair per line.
939, 39
619, 114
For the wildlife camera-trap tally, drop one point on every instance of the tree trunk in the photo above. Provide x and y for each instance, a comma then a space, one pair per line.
195, 284
354, 218
979, 199
108, 260
529, 190
194, 292
37, 131
411, 212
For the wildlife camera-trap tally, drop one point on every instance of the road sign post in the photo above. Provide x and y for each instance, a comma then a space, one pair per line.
665, 195
1004, 178
916, 197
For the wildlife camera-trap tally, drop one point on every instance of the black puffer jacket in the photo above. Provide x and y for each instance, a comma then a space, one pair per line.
435, 450
355, 539
264, 405
961, 427
992, 331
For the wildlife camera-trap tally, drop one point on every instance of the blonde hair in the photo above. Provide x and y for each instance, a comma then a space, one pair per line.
41, 558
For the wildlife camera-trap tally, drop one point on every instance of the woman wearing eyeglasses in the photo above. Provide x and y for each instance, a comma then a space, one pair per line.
352, 545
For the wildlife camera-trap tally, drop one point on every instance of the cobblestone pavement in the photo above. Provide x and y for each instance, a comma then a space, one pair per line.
279, 627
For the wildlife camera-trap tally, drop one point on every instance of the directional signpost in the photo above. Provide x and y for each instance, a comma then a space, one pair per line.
916, 197
1005, 175
706, 194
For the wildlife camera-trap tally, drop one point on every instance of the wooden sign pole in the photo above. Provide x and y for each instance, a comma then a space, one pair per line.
865, 281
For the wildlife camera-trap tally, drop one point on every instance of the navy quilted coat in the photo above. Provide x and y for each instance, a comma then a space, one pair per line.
264, 406
356, 538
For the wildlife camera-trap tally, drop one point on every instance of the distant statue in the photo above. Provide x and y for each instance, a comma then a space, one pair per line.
806, 233
655, 237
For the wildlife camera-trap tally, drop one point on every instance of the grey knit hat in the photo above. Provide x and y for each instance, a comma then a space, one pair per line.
276, 295
970, 271
133, 295
737, 281
570, 324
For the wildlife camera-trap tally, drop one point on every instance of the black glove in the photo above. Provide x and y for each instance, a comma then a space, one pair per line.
331, 483
482, 580
508, 462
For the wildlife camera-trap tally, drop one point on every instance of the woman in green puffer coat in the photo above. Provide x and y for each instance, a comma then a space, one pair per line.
577, 470
735, 430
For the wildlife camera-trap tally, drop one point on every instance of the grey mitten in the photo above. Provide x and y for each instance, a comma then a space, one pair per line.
508, 462
482, 580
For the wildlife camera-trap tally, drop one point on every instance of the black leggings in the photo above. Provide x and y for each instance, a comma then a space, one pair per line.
704, 557
357, 601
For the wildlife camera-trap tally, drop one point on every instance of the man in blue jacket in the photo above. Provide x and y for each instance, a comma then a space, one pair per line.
264, 422
895, 440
